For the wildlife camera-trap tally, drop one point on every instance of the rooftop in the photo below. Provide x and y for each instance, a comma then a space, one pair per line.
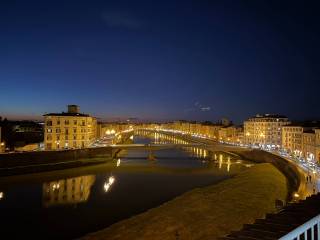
67, 114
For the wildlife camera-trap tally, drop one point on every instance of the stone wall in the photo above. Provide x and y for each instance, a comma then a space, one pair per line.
10, 160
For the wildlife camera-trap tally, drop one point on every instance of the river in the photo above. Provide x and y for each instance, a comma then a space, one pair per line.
69, 203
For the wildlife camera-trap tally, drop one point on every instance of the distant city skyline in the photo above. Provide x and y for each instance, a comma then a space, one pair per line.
159, 61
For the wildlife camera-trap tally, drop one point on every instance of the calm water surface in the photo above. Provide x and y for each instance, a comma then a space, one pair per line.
70, 203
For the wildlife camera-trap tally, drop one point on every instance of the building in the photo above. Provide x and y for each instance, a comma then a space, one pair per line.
317, 132
300, 139
227, 133
2, 144
112, 128
238, 138
309, 145
292, 139
265, 130
27, 127
69, 130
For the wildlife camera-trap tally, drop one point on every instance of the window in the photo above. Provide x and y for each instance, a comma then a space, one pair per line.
49, 123
66, 122
74, 137
49, 130
58, 137
83, 123
75, 122
58, 130
58, 122
74, 130
66, 131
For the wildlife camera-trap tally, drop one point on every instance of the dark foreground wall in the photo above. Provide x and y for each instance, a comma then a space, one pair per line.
10, 160
288, 169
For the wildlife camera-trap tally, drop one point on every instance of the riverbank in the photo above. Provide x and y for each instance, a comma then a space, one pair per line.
206, 213
41, 161
291, 171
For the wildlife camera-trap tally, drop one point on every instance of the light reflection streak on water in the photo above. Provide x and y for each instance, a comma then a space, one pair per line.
201, 153
67, 191
107, 185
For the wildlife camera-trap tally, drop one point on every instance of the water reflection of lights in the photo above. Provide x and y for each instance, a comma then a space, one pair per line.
205, 153
227, 162
1, 195
118, 162
201, 153
111, 180
55, 186
108, 184
67, 191
106, 187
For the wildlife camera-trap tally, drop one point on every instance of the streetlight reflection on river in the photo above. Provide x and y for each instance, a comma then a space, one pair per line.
108, 184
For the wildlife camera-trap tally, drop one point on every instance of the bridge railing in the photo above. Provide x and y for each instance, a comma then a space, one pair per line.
308, 230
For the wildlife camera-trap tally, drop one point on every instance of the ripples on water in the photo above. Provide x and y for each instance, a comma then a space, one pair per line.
70, 203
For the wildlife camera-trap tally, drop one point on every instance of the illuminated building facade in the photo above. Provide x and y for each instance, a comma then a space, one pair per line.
105, 129
69, 130
2, 144
309, 145
227, 134
206, 129
292, 139
302, 140
265, 130
317, 132
67, 191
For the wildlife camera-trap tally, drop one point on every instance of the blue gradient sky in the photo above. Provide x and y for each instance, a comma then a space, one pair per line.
160, 60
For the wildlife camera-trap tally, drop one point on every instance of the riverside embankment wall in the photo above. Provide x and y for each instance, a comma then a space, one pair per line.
11, 160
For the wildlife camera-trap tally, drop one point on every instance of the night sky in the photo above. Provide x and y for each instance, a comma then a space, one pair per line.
160, 60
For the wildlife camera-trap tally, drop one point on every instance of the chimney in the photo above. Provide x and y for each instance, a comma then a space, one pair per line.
73, 109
